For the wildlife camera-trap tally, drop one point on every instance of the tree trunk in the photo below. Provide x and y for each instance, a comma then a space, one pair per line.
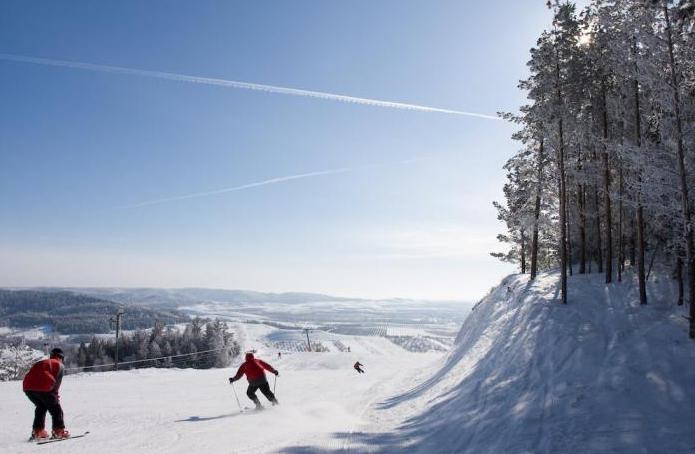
599, 245
680, 153
563, 199
633, 241
621, 242
523, 252
537, 213
607, 194
563, 223
640, 255
569, 239
639, 227
582, 229
679, 277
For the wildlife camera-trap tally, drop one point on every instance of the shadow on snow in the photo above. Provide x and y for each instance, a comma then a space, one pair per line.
529, 375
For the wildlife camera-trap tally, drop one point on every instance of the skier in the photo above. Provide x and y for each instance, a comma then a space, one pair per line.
41, 385
358, 367
253, 368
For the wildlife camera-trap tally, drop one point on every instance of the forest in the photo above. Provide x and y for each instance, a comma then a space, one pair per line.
70, 313
200, 345
603, 179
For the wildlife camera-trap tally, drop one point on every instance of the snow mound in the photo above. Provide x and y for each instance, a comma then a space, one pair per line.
529, 375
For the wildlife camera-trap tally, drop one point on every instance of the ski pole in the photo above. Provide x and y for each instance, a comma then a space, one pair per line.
275, 383
237, 398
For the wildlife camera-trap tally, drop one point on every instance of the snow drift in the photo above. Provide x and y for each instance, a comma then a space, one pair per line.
529, 375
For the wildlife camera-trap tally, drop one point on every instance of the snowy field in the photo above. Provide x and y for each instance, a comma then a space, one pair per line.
418, 326
36, 333
184, 411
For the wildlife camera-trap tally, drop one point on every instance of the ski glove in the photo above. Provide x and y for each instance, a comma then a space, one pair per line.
277, 374
231, 380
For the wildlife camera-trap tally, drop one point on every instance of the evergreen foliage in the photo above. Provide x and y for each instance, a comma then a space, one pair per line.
16, 359
71, 313
605, 173
160, 347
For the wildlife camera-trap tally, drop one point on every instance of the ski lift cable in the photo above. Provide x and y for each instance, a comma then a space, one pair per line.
149, 359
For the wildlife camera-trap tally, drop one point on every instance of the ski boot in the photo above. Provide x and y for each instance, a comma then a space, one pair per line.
60, 433
38, 434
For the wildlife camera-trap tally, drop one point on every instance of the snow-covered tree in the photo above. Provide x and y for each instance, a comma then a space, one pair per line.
16, 359
606, 166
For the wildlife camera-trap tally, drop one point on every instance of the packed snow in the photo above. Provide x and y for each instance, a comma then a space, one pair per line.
184, 411
525, 375
529, 375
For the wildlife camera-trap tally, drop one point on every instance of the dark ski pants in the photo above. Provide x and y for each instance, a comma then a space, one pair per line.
265, 389
46, 402
359, 370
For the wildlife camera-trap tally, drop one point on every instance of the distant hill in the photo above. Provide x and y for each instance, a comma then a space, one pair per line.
173, 298
71, 313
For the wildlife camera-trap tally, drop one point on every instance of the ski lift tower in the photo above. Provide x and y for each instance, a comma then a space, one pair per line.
117, 321
308, 343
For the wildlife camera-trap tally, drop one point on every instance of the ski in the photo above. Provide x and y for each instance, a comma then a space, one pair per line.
255, 409
53, 440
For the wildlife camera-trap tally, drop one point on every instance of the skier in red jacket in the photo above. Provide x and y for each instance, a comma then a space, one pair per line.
41, 385
253, 368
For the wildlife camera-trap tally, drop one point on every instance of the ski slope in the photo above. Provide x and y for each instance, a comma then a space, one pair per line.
525, 375
529, 375
185, 411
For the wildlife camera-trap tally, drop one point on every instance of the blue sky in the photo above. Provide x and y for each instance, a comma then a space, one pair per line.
408, 213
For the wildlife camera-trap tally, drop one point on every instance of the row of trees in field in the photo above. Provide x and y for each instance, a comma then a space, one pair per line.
605, 175
199, 345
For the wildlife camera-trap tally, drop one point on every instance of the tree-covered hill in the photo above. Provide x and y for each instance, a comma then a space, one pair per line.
72, 313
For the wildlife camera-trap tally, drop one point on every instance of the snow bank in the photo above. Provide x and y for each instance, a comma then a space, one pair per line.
529, 375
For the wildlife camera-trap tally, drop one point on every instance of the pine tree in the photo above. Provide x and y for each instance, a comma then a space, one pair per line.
604, 173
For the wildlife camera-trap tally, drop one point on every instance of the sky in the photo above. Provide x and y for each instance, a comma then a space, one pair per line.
257, 145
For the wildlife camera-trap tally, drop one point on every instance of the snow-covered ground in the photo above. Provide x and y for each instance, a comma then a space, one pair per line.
529, 375
525, 375
184, 411
39, 332
427, 325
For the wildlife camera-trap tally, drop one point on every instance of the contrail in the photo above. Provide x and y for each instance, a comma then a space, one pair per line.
237, 188
237, 84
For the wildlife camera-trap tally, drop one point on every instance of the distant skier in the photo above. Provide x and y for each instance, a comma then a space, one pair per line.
279, 355
358, 367
253, 368
41, 385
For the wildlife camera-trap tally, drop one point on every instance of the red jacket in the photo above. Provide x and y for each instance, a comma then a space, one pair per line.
253, 368
44, 376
